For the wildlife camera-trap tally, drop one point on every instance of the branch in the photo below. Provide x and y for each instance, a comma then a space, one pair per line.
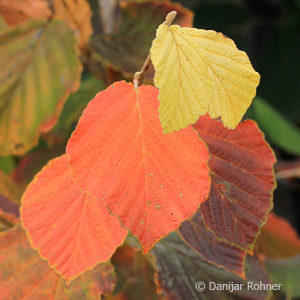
139, 77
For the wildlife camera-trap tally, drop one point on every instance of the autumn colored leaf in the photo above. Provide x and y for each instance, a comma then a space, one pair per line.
280, 243
10, 194
24, 275
39, 69
180, 268
16, 12
212, 250
3, 24
78, 15
278, 238
152, 182
8, 207
127, 46
10, 189
72, 230
198, 72
7, 163
7, 220
243, 181
135, 273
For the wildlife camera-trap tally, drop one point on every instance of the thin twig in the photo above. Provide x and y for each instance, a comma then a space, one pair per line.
139, 77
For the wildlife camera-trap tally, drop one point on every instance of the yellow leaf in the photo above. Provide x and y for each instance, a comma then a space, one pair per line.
198, 72
78, 15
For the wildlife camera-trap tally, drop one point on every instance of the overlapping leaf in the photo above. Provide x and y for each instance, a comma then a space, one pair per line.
39, 69
78, 15
119, 153
71, 229
242, 181
10, 189
180, 268
278, 238
16, 12
280, 243
23, 275
3, 24
135, 273
126, 48
214, 251
7, 220
199, 72
7, 164
10, 194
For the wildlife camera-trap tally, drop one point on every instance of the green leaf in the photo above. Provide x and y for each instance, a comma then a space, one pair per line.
180, 268
39, 69
277, 128
73, 109
7, 164
286, 271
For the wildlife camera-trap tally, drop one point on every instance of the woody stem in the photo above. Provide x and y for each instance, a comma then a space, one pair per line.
139, 77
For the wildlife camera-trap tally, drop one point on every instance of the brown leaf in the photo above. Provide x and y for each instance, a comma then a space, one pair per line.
9, 189
180, 268
7, 220
214, 251
16, 12
241, 164
24, 275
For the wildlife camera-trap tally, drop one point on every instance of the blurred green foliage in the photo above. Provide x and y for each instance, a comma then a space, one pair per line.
279, 130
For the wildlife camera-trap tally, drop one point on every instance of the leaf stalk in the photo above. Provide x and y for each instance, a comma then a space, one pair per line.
139, 77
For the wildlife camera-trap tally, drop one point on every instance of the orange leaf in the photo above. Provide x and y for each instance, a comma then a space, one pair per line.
242, 181
78, 15
72, 230
278, 238
16, 12
23, 275
118, 152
